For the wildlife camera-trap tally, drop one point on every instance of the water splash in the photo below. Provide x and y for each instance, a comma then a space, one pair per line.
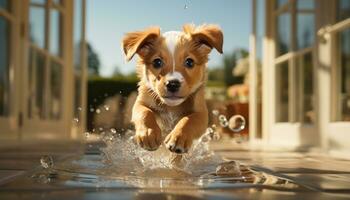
106, 107
46, 162
122, 152
76, 120
186, 5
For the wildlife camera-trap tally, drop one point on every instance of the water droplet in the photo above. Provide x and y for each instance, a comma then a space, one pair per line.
92, 109
236, 123
106, 107
215, 112
205, 138
224, 124
216, 136
113, 130
76, 120
120, 91
87, 134
222, 118
46, 161
230, 168
100, 129
223, 121
98, 111
79, 109
185, 7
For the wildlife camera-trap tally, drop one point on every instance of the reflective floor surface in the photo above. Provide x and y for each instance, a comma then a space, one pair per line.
81, 171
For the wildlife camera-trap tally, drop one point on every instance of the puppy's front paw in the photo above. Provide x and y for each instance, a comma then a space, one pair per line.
149, 138
178, 142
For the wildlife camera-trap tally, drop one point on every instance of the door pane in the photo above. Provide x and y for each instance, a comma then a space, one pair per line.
305, 4
283, 34
56, 90
57, 2
39, 109
4, 67
281, 3
306, 91
282, 92
305, 30
343, 11
5, 4
55, 33
37, 26
344, 100
38, 1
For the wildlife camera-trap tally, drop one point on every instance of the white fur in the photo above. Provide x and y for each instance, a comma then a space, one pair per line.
171, 40
175, 76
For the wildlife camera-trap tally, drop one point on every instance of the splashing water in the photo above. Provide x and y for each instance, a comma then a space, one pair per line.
46, 162
122, 152
123, 160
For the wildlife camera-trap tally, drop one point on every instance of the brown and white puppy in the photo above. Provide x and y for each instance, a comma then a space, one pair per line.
172, 72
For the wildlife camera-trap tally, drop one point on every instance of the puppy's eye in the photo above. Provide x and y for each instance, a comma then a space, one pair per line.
157, 63
189, 63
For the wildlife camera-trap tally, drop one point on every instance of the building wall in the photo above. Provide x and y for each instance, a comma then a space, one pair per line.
46, 69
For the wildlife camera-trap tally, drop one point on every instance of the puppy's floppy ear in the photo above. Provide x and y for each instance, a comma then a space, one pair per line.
209, 35
139, 41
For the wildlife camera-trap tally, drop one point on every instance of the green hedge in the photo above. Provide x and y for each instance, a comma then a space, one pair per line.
100, 88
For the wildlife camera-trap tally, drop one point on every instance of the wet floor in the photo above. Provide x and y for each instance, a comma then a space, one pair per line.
82, 172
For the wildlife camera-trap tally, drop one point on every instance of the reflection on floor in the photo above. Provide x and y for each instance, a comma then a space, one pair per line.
302, 175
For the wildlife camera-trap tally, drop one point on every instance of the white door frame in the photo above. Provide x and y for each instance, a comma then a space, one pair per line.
49, 129
292, 134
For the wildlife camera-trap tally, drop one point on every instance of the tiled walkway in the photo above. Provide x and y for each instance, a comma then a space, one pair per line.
322, 176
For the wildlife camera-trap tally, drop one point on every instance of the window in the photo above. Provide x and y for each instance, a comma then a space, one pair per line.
343, 72
343, 10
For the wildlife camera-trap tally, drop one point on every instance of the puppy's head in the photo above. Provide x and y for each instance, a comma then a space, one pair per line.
173, 64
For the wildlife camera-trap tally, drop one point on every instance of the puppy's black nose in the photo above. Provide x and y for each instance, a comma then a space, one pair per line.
173, 85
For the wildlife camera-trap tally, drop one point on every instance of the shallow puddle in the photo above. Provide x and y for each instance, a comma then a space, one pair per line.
122, 164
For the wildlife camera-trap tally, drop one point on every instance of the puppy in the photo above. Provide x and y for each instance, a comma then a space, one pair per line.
172, 72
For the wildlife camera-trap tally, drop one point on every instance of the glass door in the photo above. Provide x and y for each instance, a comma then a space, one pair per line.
46, 76
292, 103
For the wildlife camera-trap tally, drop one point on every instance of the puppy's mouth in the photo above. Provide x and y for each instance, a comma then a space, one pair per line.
173, 100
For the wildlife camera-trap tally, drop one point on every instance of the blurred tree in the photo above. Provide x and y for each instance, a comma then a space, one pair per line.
216, 74
93, 61
230, 61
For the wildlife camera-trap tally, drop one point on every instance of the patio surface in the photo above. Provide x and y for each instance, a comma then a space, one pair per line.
320, 176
